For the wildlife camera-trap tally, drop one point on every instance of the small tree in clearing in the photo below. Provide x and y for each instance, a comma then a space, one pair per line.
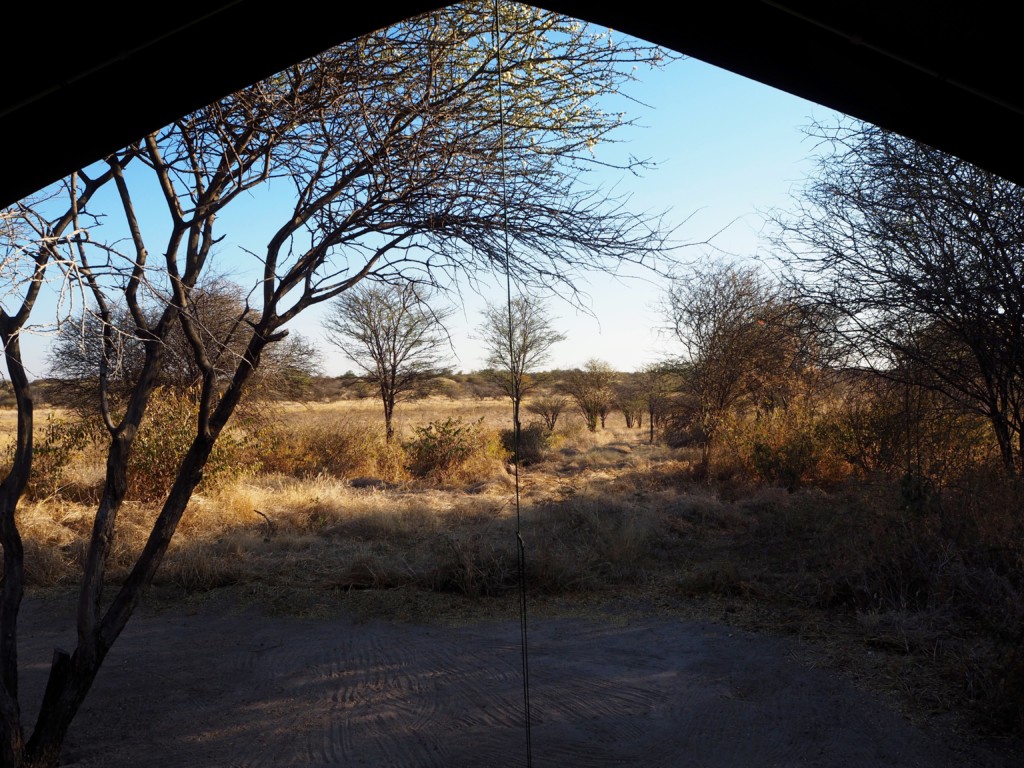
549, 409
393, 335
656, 383
519, 337
591, 389
742, 340
630, 398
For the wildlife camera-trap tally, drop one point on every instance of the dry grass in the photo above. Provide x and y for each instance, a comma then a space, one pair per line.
927, 601
496, 413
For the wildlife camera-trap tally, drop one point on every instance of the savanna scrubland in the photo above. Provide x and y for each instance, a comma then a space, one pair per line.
835, 454
805, 520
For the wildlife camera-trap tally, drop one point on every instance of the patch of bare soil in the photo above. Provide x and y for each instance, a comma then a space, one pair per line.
218, 683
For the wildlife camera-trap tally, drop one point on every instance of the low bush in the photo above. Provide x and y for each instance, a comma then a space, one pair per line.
786, 447
60, 443
339, 450
166, 434
441, 447
453, 451
474, 566
533, 442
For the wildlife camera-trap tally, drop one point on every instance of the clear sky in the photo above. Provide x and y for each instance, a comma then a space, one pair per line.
726, 148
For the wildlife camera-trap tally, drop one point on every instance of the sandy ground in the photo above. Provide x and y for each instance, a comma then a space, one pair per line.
222, 686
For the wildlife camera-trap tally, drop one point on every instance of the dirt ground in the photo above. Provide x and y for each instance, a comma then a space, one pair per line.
218, 684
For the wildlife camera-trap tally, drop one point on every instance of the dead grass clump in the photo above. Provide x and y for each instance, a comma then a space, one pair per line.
475, 565
323, 506
657, 468
588, 543
369, 572
48, 544
343, 450
718, 579
572, 436
701, 512
323, 534
204, 564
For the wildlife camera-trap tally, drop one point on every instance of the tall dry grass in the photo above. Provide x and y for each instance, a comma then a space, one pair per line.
929, 579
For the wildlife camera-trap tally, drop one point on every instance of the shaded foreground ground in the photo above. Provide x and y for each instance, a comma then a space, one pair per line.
217, 684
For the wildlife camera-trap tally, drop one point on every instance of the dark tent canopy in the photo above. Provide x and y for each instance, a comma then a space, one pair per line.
84, 79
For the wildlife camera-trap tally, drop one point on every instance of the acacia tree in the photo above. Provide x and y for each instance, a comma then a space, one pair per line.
548, 408
221, 318
655, 384
392, 150
631, 400
518, 337
591, 388
919, 258
392, 333
30, 245
740, 341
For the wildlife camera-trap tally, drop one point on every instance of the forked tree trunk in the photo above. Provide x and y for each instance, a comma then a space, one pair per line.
72, 675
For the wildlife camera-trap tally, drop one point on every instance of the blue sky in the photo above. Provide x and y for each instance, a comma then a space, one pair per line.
726, 148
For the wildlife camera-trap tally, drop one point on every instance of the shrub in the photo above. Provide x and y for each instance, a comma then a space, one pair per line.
786, 463
894, 430
441, 447
53, 452
339, 450
165, 436
533, 442
452, 450
788, 447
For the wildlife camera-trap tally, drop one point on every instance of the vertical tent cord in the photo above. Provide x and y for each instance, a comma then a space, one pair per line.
520, 549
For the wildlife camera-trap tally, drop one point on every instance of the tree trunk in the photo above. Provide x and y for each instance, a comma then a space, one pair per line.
1005, 441
11, 489
705, 458
71, 676
389, 429
69, 682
